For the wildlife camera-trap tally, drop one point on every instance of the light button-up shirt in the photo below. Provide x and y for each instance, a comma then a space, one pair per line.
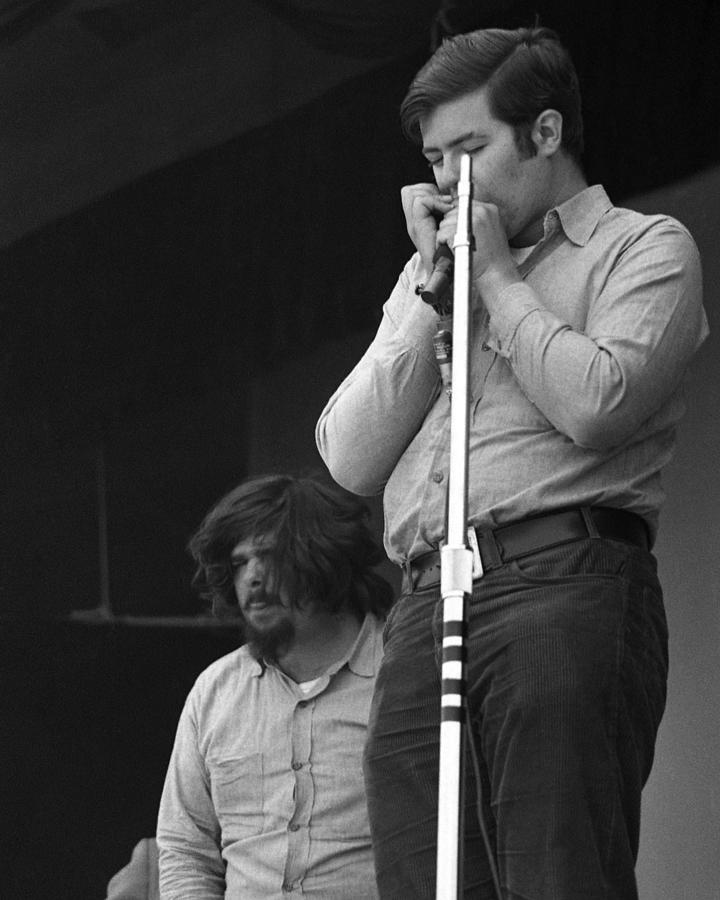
264, 795
575, 403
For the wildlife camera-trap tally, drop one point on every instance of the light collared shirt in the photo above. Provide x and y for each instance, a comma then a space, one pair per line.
576, 382
264, 796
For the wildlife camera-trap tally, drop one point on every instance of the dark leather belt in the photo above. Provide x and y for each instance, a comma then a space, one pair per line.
509, 542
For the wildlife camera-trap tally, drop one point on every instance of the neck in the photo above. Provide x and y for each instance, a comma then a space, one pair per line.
570, 182
325, 640
566, 181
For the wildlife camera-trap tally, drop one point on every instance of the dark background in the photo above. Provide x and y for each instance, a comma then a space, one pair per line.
199, 221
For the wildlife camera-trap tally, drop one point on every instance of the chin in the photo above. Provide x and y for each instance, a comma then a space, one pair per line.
272, 641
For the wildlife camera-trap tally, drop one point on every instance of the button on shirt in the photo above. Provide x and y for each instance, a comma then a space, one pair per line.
576, 382
264, 796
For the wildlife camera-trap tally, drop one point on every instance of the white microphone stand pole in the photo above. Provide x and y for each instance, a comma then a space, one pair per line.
456, 562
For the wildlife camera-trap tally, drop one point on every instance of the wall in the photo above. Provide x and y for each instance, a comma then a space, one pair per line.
679, 853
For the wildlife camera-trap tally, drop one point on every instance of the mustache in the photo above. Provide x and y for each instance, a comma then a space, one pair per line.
261, 595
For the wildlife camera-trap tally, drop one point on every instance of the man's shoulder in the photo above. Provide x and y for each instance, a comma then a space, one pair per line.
637, 223
236, 666
591, 218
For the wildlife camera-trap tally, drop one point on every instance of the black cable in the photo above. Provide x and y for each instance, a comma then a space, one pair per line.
480, 812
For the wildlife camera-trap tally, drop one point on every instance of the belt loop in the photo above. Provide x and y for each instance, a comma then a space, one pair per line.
586, 513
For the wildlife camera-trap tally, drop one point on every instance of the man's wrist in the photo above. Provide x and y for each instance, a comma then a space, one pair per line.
493, 281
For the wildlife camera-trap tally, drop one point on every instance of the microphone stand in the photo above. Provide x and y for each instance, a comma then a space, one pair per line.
456, 568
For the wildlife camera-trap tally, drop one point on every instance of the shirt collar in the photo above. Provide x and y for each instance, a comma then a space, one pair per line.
361, 658
579, 216
363, 653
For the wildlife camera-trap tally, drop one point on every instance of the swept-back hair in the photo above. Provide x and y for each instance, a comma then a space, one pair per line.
526, 71
323, 547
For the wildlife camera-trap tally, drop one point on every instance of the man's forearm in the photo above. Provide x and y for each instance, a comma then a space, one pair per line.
597, 385
375, 413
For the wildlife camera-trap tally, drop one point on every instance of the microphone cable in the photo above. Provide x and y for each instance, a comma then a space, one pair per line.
480, 812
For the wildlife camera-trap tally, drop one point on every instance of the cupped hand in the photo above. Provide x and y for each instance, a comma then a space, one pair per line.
492, 260
424, 206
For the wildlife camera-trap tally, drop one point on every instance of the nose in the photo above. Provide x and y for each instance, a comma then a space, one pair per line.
253, 573
448, 175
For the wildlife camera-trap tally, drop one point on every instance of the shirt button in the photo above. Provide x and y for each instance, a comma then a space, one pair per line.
294, 827
288, 888
297, 765
302, 704
486, 346
437, 477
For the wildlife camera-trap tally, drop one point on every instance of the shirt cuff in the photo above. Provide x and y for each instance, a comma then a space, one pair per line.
419, 321
514, 304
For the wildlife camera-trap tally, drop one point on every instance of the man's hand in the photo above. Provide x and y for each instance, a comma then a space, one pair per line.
424, 206
493, 266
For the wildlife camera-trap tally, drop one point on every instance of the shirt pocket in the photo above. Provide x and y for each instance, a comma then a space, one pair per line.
236, 785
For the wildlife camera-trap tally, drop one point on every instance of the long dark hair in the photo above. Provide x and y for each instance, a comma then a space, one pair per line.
324, 549
526, 71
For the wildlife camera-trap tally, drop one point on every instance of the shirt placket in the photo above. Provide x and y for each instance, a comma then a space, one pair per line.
298, 854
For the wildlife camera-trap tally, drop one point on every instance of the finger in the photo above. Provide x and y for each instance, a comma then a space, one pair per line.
447, 227
423, 188
421, 208
427, 195
411, 192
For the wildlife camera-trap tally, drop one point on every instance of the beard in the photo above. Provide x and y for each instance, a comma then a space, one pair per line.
269, 643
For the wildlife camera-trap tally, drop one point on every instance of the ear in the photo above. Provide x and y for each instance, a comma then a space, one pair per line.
547, 132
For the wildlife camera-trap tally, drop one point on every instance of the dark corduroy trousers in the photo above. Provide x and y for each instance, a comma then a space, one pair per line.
567, 672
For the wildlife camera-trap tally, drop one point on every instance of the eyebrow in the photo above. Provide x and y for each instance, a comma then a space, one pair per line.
468, 135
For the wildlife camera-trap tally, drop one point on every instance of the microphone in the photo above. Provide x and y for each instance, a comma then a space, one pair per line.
441, 277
